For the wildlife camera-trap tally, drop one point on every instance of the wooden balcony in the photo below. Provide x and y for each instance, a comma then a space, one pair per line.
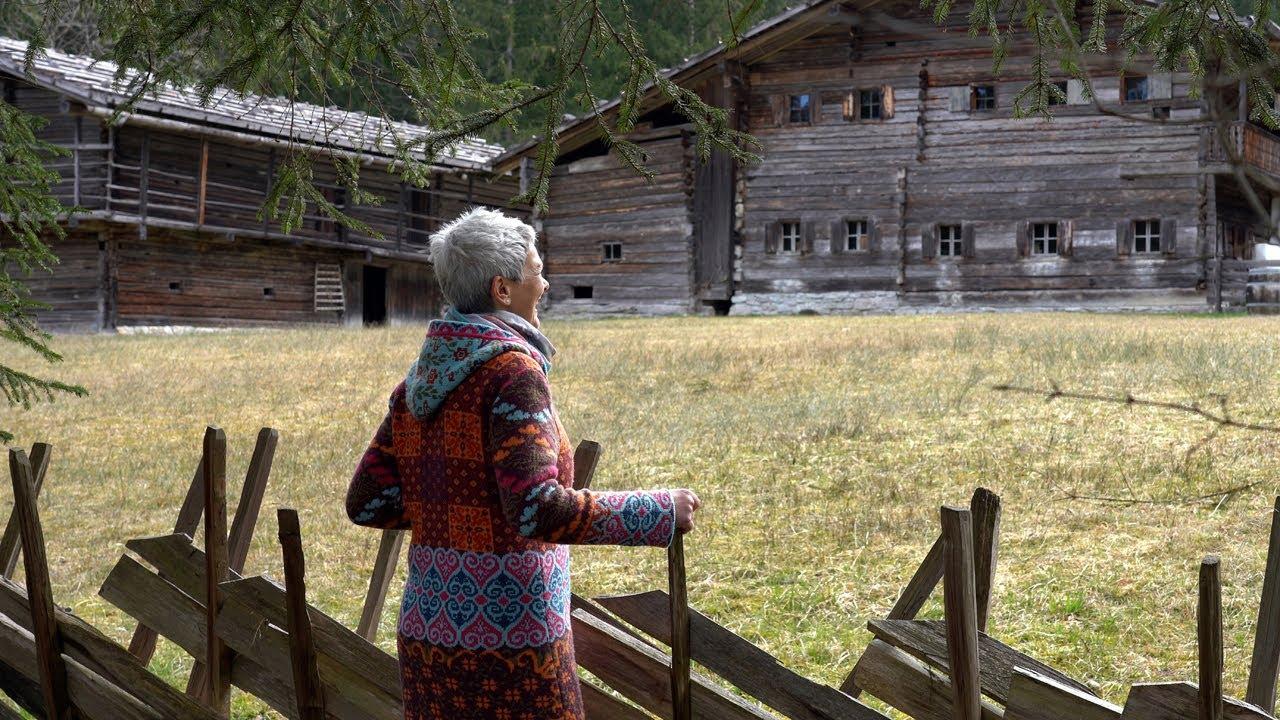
1255, 146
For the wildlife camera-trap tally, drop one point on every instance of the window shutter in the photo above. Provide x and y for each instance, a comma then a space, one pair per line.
807, 246
1124, 238
815, 107
1023, 238
886, 100
1169, 236
873, 235
837, 236
929, 242
1066, 238
771, 233
967, 248
959, 98
1075, 92
778, 106
850, 106
1161, 85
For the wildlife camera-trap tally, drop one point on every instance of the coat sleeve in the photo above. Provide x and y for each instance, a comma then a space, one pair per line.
374, 497
523, 447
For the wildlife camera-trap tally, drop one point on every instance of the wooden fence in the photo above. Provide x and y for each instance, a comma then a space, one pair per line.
255, 634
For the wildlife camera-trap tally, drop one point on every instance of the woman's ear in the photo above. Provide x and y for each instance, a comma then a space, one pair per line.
499, 291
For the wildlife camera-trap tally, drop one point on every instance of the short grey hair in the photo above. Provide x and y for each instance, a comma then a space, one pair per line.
471, 250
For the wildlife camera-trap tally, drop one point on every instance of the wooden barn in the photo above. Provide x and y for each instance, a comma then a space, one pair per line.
895, 177
167, 229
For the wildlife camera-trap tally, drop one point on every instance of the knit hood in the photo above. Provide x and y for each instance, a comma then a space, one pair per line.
459, 343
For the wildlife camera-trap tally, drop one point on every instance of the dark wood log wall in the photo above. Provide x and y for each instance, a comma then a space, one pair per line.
84, 170
74, 290
598, 200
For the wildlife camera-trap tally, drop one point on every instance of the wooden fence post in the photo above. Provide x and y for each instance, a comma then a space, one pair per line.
44, 626
217, 655
1266, 640
985, 509
585, 458
302, 651
681, 699
1209, 639
384, 568
11, 543
960, 605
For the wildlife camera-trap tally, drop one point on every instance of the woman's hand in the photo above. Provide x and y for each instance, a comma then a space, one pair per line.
686, 502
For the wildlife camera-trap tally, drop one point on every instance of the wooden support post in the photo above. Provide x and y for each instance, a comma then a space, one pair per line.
44, 626
302, 650
985, 509
384, 568
585, 458
11, 543
266, 192
202, 183
960, 606
400, 211
1266, 640
144, 166
250, 503
75, 161
1209, 637
217, 656
681, 699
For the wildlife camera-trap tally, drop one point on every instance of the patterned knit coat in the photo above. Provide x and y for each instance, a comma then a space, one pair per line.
473, 459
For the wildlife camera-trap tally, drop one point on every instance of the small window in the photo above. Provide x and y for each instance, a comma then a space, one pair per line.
855, 235
583, 292
1160, 112
870, 104
1146, 236
789, 238
1060, 97
1136, 88
800, 106
983, 97
1044, 238
175, 287
612, 251
268, 292
950, 241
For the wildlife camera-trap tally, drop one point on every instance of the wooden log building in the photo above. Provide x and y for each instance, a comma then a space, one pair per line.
895, 177
167, 229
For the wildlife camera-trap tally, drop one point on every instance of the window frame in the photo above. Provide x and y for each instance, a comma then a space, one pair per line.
1124, 88
954, 245
1056, 239
877, 103
1147, 237
865, 237
604, 251
798, 241
808, 108
975, 103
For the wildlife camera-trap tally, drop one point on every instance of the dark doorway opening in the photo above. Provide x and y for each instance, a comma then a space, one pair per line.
374, 295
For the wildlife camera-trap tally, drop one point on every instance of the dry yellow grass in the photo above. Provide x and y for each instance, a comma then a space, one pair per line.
822, 448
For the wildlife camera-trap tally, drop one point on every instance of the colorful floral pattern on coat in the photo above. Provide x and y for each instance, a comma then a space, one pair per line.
485, 485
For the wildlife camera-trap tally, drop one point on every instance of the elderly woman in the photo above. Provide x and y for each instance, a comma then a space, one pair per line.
472, 457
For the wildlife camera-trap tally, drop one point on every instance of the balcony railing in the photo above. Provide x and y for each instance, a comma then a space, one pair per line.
1253, 145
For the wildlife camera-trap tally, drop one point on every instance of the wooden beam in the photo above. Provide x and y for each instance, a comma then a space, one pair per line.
752, 670
985, 508
204, 177
48, 641
384, 569
302, 650
681, 704
144, 165
1209, 639
75, 162
909, 685
585, 458
1180, 701
1266, 640
598, 703
11, 543
217, 657
1036, 697
143, 643
960, 606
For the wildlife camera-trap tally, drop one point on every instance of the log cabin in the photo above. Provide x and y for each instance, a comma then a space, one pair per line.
895, 176
166, 230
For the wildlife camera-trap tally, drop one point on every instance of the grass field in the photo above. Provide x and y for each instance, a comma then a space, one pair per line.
821, 447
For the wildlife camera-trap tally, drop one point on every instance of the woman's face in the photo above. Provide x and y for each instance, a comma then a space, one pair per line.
522, 297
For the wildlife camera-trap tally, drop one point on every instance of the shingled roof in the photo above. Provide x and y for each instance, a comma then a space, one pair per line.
91, 82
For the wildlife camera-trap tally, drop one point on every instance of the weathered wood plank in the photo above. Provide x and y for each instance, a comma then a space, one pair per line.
1265, 663
1033, 696
985, 508
11, 543
926, 641
642, 673
600, 704
909, 685
1180, 701
44, 625
214, 684
585, 458
302, 651
1209, 639
733, 658
384, 570
681, 704
961, 609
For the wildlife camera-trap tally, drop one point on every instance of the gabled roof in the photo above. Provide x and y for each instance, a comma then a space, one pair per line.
91, 82
752, 44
